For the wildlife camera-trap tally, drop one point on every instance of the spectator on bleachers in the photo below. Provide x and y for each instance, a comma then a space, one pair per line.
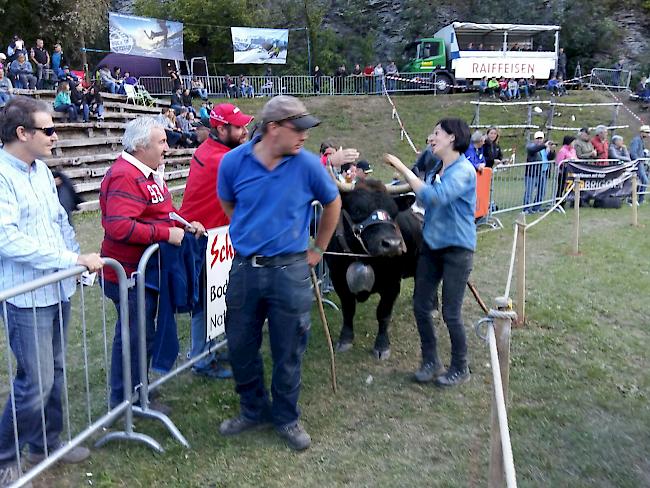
493, 87
22, 72
503, 88
617, 150
491, 149
69, 76
94, 103
246, 88
77, 99
6, 88
177, 100
167, 119
474, 152
638, 150
483, 86
175, 78
513, 89
109, 83
16, 47
117, 74
41, 59
130, 80
523, 87
57, 60
198, 89
230, 87
63, 103
584, 147
600, 143
204, 112
186, 99
184, 123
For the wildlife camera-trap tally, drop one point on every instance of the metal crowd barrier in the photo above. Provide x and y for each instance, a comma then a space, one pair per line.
301, 85
617, 79
88, 417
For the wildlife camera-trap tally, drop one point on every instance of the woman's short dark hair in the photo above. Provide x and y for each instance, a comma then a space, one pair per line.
568, 140
325, 145
460, 130
19, 111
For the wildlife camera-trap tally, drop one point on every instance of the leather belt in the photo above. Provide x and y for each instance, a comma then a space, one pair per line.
258, 261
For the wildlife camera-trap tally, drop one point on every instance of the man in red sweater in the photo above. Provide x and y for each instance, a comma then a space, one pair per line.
200, 202
135, 205
600, 143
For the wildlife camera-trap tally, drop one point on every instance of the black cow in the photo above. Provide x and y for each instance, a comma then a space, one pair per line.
382, 226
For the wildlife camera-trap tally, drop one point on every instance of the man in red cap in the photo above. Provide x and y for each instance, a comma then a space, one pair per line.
200, 202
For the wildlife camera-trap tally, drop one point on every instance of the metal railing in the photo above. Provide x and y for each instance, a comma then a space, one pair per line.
90, 383
298, 85
617, 79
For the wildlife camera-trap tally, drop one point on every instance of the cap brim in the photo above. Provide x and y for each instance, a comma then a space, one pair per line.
367, 171
305, 122
241, 119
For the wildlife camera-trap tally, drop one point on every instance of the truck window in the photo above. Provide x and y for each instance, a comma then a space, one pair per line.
430, 49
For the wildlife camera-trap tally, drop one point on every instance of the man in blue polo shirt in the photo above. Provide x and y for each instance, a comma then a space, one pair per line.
266, 188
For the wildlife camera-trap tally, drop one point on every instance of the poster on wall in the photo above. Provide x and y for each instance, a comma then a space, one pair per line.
218, 260
144, 36
252, 45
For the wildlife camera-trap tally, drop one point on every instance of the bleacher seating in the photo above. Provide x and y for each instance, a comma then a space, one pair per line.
85, 150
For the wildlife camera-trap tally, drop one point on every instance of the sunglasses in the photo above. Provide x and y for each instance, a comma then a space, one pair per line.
293, 128
48, 131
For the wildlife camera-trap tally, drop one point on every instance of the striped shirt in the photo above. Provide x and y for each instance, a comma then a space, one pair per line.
36, 238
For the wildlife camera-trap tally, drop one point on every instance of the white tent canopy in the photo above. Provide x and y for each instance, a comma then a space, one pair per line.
521, 29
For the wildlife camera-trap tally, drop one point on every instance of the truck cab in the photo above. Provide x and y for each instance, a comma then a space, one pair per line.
425, 55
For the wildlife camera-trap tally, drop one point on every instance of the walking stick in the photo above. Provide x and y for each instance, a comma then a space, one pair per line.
323, 319
474, 291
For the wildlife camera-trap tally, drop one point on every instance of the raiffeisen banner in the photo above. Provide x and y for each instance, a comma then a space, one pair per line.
144, 36
251, 45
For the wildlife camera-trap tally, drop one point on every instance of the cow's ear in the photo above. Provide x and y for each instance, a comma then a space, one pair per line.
405, 201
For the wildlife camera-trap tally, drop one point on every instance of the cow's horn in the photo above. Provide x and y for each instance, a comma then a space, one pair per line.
343, 186
396, 189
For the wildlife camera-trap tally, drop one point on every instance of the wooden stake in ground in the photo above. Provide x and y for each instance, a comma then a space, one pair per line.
323, 319
521, 268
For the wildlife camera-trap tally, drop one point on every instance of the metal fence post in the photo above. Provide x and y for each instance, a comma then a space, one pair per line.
576, 219
521, 268
635, 200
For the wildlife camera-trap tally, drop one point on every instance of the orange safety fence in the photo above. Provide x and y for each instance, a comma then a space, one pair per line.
483, 186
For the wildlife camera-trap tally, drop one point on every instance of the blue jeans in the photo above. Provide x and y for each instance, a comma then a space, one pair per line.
379, 87
198, 343
99, 110
643, 180
452, 266
69, 109
283, 295
4, 98
29, 396
535, 184
111, 290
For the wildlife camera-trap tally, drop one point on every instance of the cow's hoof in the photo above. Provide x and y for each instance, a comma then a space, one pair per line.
381, 355
343, 346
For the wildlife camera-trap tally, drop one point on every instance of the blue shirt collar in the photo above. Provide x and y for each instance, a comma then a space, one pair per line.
19, 164
248, 151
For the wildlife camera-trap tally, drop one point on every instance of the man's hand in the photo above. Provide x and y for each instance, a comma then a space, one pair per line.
481, 167
197, 228
176, 235
594, 153
313, 257
343, 156
92, 261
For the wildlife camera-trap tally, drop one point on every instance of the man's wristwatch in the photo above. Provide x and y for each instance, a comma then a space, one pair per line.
317, 250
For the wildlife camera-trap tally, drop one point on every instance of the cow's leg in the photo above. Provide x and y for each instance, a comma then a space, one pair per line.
384, 312
348, 309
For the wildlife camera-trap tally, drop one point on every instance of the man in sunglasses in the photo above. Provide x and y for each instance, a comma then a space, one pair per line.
36, 239
227, 131
266, 187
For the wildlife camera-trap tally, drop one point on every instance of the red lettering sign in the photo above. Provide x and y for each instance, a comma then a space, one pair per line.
221, 252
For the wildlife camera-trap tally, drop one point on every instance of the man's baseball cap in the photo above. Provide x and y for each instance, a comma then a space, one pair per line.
585, 130
539, 134
644, 128
285, 108
227, 113
364, 166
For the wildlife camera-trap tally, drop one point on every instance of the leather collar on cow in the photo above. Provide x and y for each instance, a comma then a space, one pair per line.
378, 217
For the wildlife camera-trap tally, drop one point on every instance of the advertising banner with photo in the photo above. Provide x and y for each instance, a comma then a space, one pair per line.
218, 261
251, 45
144, 36
599, 182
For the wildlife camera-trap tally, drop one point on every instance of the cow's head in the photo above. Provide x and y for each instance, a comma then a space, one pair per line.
368, 218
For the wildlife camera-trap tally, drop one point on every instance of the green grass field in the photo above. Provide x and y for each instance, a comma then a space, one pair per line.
579, 378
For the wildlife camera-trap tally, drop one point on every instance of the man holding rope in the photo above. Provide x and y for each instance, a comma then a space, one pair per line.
266, 188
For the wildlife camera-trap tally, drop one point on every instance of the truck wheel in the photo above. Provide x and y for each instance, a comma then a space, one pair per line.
444, 83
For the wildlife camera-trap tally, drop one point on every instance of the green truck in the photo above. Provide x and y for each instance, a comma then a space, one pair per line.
462, 53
